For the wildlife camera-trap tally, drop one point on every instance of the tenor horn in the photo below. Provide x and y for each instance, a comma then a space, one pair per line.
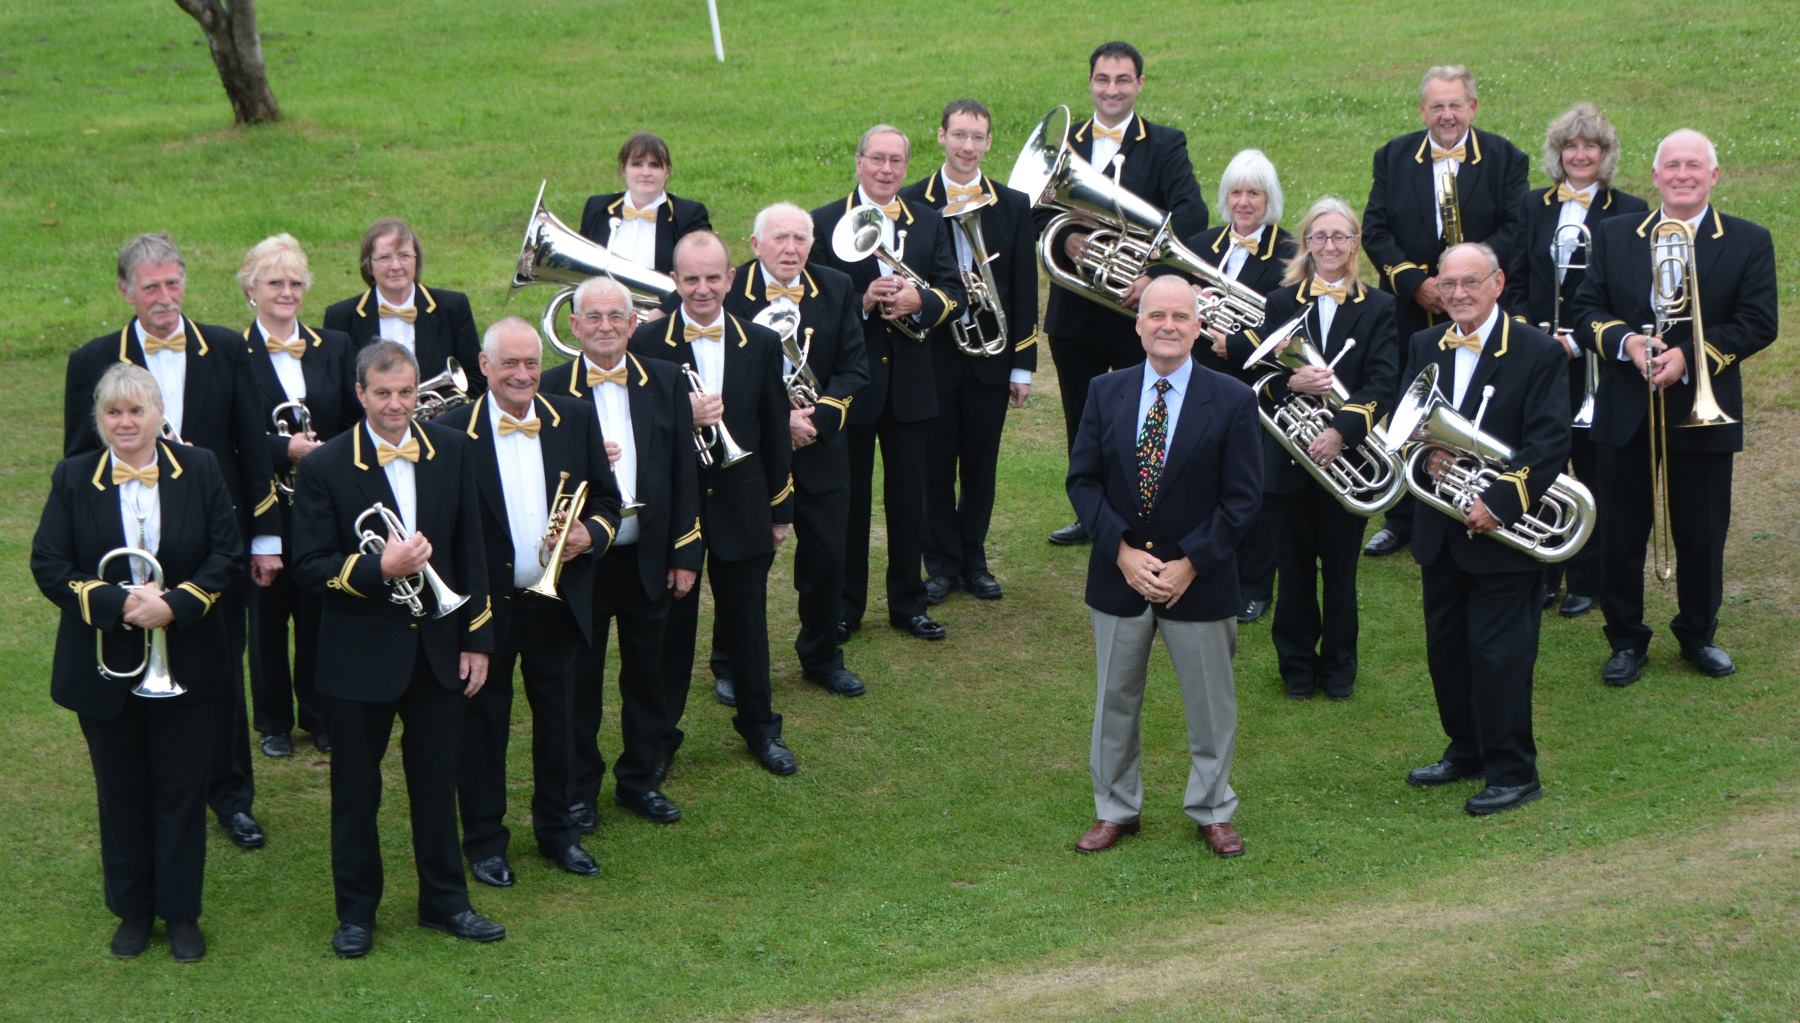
405, 590
801, 383
978, 282
865, 231
554, 253
448, 390
157, 683
302, 424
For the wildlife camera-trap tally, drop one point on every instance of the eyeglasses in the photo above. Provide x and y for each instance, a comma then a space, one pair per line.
960, 136
1340, 239
884, 161
595, 319
1448, 287
388, 258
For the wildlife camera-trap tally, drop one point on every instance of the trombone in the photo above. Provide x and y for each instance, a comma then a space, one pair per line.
1449, 209
405, 590
978, 282
157, 683
302, 416
565, 511
1570, 244
866, 231
440, 394
707, 438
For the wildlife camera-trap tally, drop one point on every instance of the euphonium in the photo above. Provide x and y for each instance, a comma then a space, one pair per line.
716, 436
157, 683
284, 483
802, 385
1571, 243
978, 282
1552, 531
554, 253
405, 590
1365, 479
866, 231
1126, 235
440, 394
565, 511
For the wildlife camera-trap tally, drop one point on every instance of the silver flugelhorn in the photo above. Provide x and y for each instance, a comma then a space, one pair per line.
555, 253
1570, 243
157, 683
405, 590
1365, 479
714, 444
448, 390
802, 385
1552, 531
302, 425
979, 286
866, 231
1127, 235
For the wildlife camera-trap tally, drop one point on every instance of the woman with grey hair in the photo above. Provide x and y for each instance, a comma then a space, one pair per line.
1543, 272
148, 740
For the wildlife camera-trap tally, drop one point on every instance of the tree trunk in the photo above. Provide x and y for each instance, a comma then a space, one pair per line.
237, 53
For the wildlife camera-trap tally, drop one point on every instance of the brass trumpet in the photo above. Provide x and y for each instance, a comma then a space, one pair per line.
157, 683
801, 383
565, 511
406, 590
866, 231
978, 282
302, 416
716, 436
440, 394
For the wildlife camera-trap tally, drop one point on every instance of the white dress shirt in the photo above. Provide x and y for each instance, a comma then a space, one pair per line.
1464, 364
636, 239
170, 370
287, 365
1105, 148
521, 460
1439, 168
395, 329
140, 513
1327, 307
709, 355
401, 480
612, 403
1236, 255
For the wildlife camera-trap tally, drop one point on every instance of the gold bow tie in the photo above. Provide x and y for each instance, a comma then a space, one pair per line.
1453, 339
1244, 241
152, 345
958, 193
410, 314
528, 427
891, 208
1566, 194
1456, 154
385, 452
123, 473
629, 214
296, 347
776, 291
692, 333
597, 376
1320, 289
1116, 134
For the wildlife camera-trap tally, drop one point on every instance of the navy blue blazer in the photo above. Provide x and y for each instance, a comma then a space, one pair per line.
1210, 491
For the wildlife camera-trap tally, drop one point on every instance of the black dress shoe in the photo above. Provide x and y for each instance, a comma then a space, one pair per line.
1574, 605
983, 586
1070, 535
493, 871
920, 627
352, 941
467, 925
132, 937
186, 943
243, 830
1441, 773
1384, 542
573, 860
841, 681
1623, 666
775, 757
1496, 798
321, 742
276, 745
1711, 660
583, 817
937, 588
1253, 609
653, 806
724, 692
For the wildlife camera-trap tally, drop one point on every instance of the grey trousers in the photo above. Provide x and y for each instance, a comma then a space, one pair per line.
1201, 652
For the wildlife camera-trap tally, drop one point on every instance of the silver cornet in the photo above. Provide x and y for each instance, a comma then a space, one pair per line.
440, 394
302, 417
866, 231
157, 683
716, 436
405, 590
802, 385
978, 282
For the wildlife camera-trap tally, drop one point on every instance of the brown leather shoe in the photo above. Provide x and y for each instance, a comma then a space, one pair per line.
1104, 835
1222, 839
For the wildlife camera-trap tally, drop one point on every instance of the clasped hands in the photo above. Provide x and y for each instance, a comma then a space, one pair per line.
895, 295
1158, 581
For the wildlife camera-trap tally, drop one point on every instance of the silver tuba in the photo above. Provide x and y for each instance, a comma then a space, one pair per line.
555, 253
978, 282
1552, 531
405, 590
448, 390
1366, 479
866, 231
1126, 234
713, 444
802, 385
302, 424
157, 683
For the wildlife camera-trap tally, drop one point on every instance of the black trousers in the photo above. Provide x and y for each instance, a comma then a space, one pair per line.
428, 753
740, 601
541, 638
231, 783
962, 446
1481, 642
150, 776
1582, 570
274, 690
1316, 542
644, 717
1699, 517
1256, 558
903, 487
820, 521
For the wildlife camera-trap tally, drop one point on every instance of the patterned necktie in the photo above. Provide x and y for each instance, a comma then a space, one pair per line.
1456, 154
385, 452
528, 427
692, 333
1116, 134
1566, 194
410, 314
1150, 453
597, 376
122, 473
958, 193
1453, 339
628, 214
1320, 289
792, 294
152, 345
296, 347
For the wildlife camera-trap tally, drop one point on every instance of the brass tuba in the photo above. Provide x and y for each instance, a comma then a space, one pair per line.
978, 282
866, 231
157, 683
440, 394
802, 384
405, 590
1126, 235
1366, 479
565, 511
1552, 531
555, 253
302, 416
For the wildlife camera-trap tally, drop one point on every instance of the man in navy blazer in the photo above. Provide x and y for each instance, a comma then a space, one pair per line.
1165, 474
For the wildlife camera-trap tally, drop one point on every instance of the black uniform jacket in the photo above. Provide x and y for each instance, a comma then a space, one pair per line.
445, 328
673, 219
1400, 231
201, 553
329, 371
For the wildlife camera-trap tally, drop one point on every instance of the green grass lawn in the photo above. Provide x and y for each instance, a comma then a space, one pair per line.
918, 867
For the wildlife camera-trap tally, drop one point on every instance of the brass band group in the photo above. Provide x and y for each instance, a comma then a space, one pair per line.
1536, 385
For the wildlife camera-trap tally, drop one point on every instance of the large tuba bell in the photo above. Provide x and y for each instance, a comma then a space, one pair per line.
866, 231
1552, 531
978, 282
802, 384
448, 390
1366, 479
405, 590
157, 683
554, 253
1126, 235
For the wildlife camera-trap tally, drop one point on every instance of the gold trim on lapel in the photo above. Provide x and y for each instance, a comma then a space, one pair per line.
814, 285
1474, 144
356, 456
1505, 336
362, 304
1082, 131
317, 341
643, 374
1718, 224
613, 207
430, 302
555, 419
743, 338
169, 453
1649, 219
1419, 156
475, 416
750, 279
931, 184
669, 331
425, 442
101, 478
1143, 126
